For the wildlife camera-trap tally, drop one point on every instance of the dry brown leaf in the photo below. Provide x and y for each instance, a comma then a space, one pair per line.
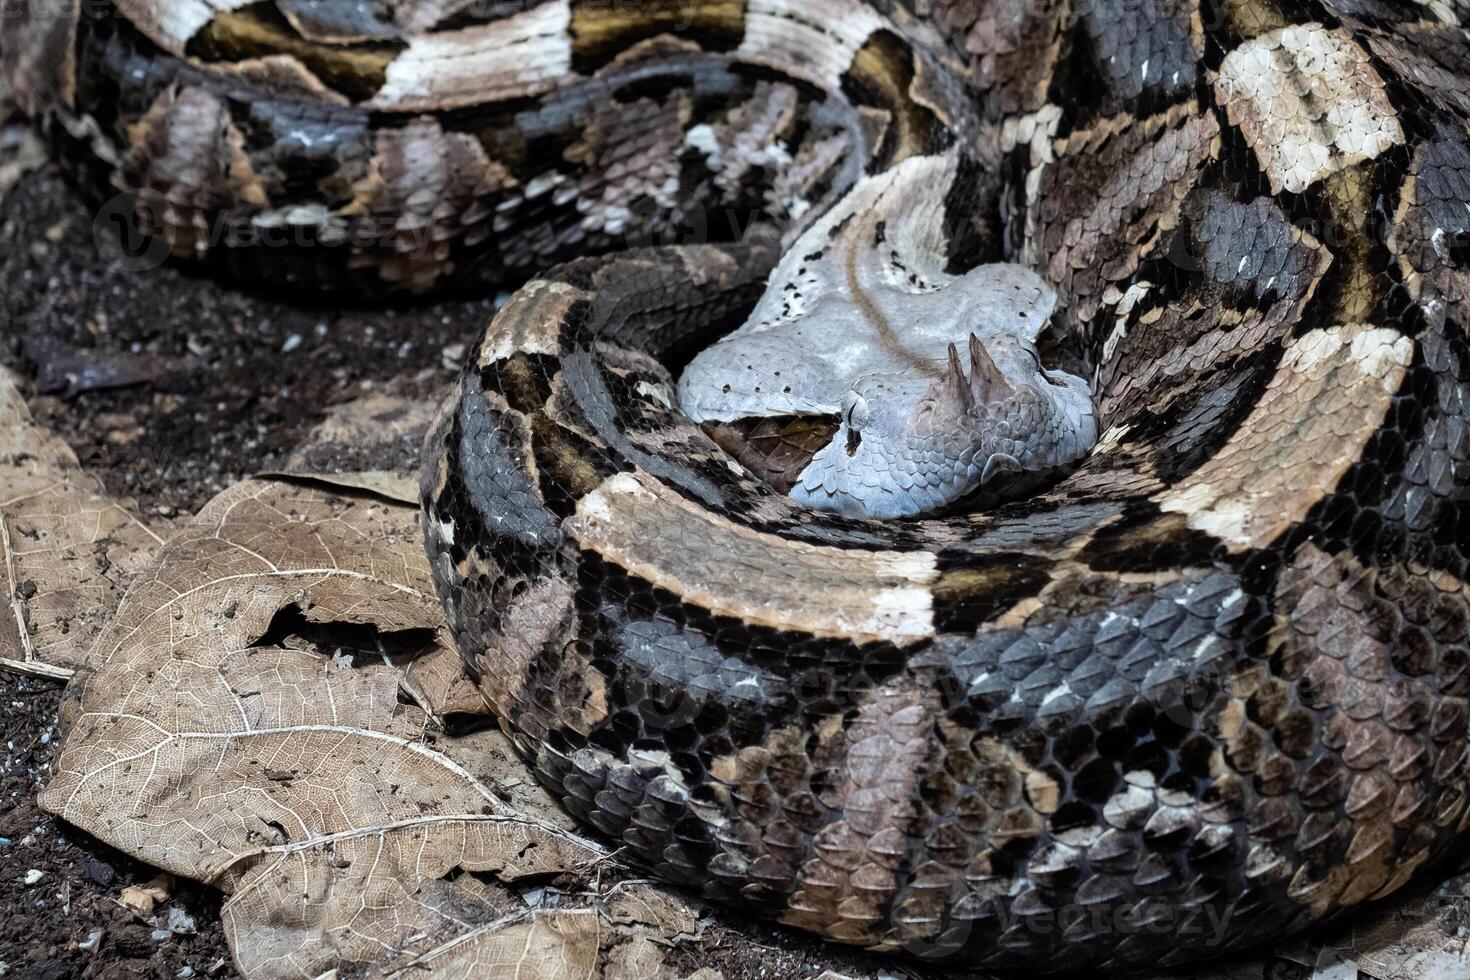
560, 945
370, 444
376, 429
373, 431
375, 420
640, 904
637, 959
67, 550
394, 487
652, 920
217, 738
438, 682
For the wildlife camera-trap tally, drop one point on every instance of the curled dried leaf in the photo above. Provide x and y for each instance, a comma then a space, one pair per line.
243, 726
67, 549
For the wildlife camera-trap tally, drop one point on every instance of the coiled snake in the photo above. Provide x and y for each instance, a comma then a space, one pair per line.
1202, 689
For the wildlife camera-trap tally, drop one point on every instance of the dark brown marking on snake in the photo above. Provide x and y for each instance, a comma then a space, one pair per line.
356, 70
523, 380
887, 336
601, 29
1147, 541
881, 74
972, 593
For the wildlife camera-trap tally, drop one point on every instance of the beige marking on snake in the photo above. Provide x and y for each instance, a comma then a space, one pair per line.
635, 523
526, 54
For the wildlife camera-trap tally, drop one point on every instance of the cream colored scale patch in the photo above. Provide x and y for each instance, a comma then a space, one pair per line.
1330, 394
638, 524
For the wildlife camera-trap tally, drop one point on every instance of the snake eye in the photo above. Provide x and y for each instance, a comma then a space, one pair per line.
855, 410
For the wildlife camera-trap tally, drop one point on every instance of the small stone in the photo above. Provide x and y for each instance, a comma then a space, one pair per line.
159, 935
99, 873
92, 942
34, 875
292, 342
185, 973
181, 922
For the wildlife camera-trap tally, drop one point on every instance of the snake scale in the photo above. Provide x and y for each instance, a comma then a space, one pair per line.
1203, 690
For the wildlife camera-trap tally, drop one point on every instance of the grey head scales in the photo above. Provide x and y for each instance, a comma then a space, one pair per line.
935, 377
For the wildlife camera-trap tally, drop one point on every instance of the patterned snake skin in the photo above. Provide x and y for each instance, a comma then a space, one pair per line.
1206, 690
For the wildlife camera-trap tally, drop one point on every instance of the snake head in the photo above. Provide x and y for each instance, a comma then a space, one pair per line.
911, 443
933, 377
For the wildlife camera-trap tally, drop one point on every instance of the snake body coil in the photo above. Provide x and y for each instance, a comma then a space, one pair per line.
1208, 689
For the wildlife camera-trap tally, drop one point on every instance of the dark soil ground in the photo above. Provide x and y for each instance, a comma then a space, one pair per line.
171, 387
